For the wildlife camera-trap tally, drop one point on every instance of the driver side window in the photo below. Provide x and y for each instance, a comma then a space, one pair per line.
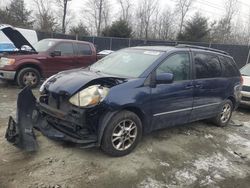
66, 49
177, 64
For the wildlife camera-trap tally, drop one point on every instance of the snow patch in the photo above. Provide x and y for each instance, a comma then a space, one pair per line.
238, 140
213, 167
151, 183
208, 136
185, 177
164, 164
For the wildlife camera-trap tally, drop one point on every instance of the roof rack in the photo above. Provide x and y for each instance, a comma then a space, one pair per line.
201, 48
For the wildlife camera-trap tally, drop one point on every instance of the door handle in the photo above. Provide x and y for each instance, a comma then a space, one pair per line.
189, 86
198, 86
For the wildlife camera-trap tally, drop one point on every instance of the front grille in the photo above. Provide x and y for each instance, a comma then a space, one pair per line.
246, 88
245, 98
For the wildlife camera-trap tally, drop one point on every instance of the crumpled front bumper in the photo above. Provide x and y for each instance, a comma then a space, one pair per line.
21, 133
32, 114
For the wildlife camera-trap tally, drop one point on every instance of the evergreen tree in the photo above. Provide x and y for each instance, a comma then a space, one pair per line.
80, 30
119, 28
196, 30
16, 15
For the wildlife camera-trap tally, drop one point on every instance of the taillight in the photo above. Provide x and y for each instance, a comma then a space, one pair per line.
241, 80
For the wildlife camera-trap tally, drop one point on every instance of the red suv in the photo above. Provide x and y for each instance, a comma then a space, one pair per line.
45, 58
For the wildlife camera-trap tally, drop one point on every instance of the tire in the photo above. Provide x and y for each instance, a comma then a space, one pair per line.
223, 118
117, 139
28, 76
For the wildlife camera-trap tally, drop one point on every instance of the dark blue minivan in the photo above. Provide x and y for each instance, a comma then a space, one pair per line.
130, 92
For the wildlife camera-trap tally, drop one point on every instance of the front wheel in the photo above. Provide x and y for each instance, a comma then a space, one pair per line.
223, 118
28, 76
122, 134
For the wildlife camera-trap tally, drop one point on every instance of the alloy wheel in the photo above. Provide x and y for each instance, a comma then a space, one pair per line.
124, 135
226, 112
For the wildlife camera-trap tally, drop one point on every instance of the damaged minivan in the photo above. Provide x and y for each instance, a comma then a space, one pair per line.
134, 91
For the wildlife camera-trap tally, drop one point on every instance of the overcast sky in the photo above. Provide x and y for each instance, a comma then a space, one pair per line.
213, 9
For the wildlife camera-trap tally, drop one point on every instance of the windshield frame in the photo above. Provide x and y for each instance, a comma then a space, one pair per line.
156, 61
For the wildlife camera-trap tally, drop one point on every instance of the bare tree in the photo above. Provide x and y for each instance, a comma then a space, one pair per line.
63, 4
182, 7
231, 9
167, 25
126, 6
97, 12
106, 12
45, 19
156, 23
222, 31
145, 12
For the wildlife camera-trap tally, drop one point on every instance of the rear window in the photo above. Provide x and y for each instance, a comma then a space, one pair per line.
228, 66
83, 49
206, 65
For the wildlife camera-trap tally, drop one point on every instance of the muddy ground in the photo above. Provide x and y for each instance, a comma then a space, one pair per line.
192, 155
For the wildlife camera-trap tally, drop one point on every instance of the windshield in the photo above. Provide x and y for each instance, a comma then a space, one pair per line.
128, 63
245, 71
43, 45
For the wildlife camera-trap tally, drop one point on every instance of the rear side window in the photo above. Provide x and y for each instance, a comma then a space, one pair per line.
177, 64
228, 66
206, 65
66, 49
83, 49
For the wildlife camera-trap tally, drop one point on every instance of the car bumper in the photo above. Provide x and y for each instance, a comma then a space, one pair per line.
51, 122
245, 98
7, 75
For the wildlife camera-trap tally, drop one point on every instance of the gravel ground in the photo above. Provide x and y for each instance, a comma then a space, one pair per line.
193, 155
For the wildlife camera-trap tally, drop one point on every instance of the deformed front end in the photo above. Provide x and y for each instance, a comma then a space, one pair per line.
59, 115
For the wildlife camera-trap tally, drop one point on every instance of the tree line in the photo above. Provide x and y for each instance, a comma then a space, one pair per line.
145, 19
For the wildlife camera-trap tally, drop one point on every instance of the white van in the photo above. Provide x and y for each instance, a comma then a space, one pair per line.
30, 35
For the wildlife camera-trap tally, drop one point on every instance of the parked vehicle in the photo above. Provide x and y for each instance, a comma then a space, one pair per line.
245, 72
45, 58
104, 53
128, 93
28, 34
7, 47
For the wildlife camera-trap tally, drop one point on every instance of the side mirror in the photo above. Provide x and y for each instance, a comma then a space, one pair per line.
164, 78
26, 48
55, 53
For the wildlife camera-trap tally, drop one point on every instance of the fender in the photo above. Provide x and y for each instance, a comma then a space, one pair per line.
29, 61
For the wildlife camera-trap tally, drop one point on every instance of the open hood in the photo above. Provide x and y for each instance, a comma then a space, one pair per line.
15, 36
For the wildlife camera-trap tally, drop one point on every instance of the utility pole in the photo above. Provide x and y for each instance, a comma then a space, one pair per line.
65, 5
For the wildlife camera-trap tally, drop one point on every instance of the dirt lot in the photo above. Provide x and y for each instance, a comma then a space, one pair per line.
193, 155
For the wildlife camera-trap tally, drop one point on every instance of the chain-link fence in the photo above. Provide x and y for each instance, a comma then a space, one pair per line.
239, 52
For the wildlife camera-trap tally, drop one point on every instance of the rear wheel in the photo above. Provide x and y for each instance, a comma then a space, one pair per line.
28, 76
122, 134
223, 118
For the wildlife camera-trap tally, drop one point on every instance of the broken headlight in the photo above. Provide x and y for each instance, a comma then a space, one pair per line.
90, 96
